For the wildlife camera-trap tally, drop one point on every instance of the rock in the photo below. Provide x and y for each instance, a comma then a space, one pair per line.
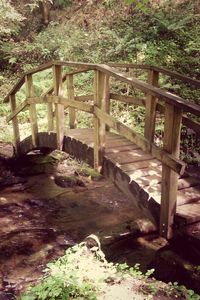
92, 242
40, 255
59, 155
68, 181
6, 296
9, 181
88, 172
64, 240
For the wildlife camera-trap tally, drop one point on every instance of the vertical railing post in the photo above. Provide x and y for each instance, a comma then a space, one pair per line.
169, 185
50, 119
32, 109
15, 124
106, 98
70, 94
150, 112
59, 108
101, 88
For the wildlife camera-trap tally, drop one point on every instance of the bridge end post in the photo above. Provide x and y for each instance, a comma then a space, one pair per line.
101, 92
32, 109
70, 94
169, 184
15, 124
59, 109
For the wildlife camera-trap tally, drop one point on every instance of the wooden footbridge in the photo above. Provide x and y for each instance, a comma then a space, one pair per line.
153, 176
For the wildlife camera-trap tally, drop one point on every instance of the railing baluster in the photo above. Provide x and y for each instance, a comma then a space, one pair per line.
15, 124
59, 112
101, 88
150, 112
70, 94
32, 109
50, 119
169, 185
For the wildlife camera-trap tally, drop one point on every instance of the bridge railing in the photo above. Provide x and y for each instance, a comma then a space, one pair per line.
156, 99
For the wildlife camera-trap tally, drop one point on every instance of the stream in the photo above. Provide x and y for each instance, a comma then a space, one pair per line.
48, 204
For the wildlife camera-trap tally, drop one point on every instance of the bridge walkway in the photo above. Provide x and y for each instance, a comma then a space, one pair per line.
144, 172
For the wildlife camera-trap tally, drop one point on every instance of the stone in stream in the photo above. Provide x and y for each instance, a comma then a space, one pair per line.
88, 172
6, 296
68, 181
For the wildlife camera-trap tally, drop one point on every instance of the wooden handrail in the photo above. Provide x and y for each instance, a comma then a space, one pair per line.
175, 164
144, 87
151, 90
162, 70
194, 125
176, 75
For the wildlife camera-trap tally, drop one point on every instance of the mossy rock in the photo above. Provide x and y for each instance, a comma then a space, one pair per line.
68, 181
88, 172
58, 155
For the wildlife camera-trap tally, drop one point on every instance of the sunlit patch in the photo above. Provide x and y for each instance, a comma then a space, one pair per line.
3, 200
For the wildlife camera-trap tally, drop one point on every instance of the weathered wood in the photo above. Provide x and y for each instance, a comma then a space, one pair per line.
149, 89
100, 97
150, 111
17, 110
169, 187
84, 98
32, 109
190, 213
64, 101
170, 160
189, 123
15, 124
177, 75
59, 111
82, 70
40, 68
74, 64
162, 70
50, 116
15, 88
128, 99
126, 65
194, 125
70, 95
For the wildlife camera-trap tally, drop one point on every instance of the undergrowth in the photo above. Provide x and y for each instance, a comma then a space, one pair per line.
85, 274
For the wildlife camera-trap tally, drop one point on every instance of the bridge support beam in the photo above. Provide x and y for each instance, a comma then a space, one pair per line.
169, 185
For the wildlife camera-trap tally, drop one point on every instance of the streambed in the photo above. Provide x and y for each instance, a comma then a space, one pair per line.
42, 214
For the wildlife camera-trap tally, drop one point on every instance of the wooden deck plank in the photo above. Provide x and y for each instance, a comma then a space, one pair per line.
150, 163
120, 148
189, 212
128, 156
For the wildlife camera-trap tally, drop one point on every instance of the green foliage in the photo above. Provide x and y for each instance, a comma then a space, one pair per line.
63, 3
184, 292
10, 19
63, 280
